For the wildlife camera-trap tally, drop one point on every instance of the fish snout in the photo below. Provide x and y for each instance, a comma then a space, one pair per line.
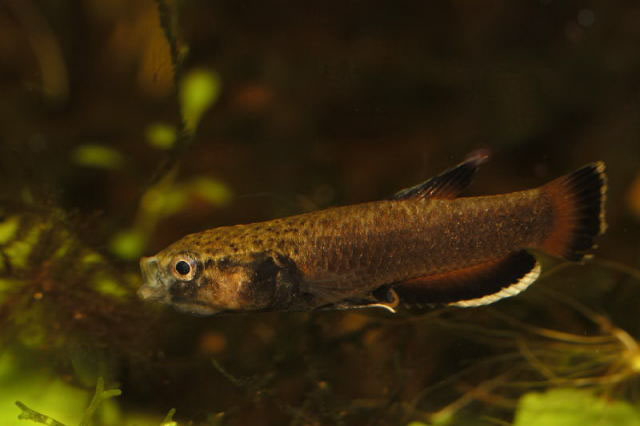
152, 287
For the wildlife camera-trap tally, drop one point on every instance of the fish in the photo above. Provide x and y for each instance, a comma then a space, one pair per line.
424, 246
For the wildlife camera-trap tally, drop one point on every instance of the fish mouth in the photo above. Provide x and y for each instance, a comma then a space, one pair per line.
194, 308
153, 287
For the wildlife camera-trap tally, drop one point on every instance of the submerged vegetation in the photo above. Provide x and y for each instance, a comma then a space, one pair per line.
100, 396
91, 179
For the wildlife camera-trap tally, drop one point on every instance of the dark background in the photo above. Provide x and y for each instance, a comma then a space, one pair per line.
337, 103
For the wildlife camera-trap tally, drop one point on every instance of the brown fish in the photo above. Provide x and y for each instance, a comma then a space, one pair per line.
423, 246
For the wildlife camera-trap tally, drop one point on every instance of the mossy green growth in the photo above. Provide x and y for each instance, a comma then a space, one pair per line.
573, 407
18, 250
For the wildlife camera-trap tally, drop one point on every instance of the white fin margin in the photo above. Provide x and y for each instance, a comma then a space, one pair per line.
512, 290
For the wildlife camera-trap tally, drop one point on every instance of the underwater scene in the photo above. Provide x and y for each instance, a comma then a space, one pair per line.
482, 266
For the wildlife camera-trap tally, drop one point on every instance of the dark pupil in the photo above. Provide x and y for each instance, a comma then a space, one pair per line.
183, 267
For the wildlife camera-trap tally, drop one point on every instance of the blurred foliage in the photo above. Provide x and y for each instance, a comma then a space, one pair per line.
117, 139
160, 135
198, 91
99, 397
97, 156
573, 407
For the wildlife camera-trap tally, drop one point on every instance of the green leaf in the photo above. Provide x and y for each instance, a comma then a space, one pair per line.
98, 398
18, 251
97, 156
128, 244
199, 89
161, 135
29, 414
573, 407
55, 401
8, 228
211, 190
168, 420
163, 202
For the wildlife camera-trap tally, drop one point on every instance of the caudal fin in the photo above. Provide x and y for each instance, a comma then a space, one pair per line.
578, 201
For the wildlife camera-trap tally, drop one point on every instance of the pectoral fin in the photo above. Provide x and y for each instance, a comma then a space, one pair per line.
476, 285
448, 184
384, 297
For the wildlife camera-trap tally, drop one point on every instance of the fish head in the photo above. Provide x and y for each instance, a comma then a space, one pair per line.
206, 284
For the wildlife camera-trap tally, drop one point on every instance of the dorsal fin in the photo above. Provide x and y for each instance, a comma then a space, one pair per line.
448, 184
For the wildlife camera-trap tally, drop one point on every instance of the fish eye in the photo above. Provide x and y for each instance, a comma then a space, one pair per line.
184, 268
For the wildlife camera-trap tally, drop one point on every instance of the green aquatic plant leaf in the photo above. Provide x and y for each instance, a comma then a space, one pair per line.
168, 420
573, 407
199, 89
29, 414
450, 420
211, 190
19, 250
162, 201
108, 286
98, 398
8, 228
33, 385
128, 244
161, 135
97, 156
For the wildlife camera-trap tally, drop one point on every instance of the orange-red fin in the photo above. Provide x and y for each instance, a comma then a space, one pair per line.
448, 184
475, 285
578, 203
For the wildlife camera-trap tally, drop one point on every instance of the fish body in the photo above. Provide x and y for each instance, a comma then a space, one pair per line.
423, 246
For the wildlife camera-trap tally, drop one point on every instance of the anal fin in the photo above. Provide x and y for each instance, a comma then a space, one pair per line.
475, 285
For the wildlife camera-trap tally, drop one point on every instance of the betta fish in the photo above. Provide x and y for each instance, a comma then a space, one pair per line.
424, 246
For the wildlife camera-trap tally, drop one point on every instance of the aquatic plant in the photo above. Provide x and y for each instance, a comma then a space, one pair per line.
99, 397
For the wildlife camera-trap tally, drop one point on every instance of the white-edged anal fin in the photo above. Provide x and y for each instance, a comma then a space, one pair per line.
475, 285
